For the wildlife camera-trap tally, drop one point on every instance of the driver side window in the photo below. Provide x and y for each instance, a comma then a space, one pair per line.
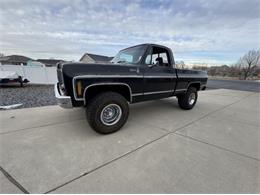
159, 56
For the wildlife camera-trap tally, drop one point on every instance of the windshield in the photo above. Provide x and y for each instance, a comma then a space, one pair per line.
129, 56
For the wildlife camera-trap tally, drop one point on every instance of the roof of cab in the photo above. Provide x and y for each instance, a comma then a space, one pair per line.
147, 44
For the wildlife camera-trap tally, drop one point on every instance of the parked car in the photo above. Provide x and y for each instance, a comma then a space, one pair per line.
136, 74
10, 77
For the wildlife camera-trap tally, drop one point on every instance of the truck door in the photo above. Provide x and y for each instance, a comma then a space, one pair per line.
159, 75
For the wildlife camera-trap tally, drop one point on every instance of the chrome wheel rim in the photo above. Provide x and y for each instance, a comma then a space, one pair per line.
192, 98
111, 114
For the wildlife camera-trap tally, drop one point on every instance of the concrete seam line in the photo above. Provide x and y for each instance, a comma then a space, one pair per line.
13, 181
155, 127
109, 162
219, 147
140, 147
202, 117
208, 114
117, 158
216, 146
30, 128
126, 154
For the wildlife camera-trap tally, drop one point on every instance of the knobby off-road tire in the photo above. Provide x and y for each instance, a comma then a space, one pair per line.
188, 100
107, 112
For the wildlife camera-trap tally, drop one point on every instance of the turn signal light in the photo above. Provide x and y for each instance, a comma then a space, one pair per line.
79, 87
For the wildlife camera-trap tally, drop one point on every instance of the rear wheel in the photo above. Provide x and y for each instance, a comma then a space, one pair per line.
188, 100
107, 112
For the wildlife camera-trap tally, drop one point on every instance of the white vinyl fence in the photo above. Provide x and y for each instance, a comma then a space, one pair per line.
35, 74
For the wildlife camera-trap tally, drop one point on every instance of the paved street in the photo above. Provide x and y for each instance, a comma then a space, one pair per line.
253, 86
213, 148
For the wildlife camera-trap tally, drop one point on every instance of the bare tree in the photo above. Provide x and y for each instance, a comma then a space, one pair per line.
1, 55
200, 67
249, 63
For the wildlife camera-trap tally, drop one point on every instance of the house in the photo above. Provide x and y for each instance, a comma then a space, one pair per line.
93, 58
14, 60
35, 63
49, 62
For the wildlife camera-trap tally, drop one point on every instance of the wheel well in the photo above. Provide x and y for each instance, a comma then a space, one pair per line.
92, 91
195, 85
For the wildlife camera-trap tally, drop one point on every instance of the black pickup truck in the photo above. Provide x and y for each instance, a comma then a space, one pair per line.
136, 74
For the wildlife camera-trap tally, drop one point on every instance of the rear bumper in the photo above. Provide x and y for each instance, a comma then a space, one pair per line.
63, 101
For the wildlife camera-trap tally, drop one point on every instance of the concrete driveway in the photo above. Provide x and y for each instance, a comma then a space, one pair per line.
214, 148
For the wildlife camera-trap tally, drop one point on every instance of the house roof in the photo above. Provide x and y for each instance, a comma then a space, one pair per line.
15, 58
97, 58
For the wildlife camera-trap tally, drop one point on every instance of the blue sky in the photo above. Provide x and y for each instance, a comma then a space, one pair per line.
198, 31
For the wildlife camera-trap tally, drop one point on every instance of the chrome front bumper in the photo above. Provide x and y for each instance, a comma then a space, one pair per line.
63, 101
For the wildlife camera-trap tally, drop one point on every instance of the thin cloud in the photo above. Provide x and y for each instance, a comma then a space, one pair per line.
195, 30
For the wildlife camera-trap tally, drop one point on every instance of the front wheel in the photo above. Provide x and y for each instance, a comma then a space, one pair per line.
188, 100
107, 112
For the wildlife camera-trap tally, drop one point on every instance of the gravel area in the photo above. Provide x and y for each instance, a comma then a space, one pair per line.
29, 96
